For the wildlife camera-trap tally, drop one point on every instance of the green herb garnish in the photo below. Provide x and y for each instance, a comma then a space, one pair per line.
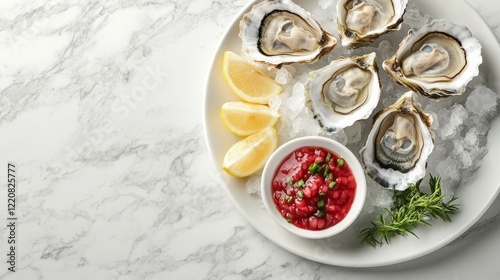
411, 208
314, 168
300, 194
340, 162
326, 172
332, 184
290, 182
300, 184
319, 213
288, 198
320, 203
328, 157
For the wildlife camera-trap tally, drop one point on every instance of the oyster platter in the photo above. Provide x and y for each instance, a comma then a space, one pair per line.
403, 84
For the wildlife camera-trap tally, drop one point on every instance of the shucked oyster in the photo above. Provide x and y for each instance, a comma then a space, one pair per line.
399, 144
436, 60
280, 32
345, 91
360, 22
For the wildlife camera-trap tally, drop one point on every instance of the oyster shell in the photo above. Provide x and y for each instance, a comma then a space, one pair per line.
360, 22
436, 60
399, 144
346, 90
279, 32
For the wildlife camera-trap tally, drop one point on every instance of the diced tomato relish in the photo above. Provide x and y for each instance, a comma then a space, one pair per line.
313, 188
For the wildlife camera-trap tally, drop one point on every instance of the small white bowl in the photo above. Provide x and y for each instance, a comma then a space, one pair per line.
314, 141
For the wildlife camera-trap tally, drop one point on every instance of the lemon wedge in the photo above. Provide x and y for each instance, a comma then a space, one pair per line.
248, 82
250, 154
244, 119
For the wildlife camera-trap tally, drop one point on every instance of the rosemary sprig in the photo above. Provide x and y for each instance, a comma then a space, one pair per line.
411, 207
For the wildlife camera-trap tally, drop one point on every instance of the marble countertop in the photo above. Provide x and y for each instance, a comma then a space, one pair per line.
101, 116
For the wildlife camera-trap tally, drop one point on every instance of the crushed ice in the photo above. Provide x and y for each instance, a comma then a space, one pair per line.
460, 123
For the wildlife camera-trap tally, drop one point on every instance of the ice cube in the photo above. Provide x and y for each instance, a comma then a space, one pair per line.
457, 117
252, 185
458, 114
353, 133
324, 4
311, 125
388, 101
296, 101
298, 90
275, 103
385, 50
471, 138
448, 169
482, 102
477, 153
284, 128
413, 17
384, 199
482, 125
298, 126
458, 146
339, 136
376, 196
477, 81
283, 76
448, 189
290, 68
464, 160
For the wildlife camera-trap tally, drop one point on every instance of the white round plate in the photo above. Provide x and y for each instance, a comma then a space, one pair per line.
344, 249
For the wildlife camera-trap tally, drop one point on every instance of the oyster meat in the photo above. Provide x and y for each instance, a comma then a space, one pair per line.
436, 60
279, 32
399, 144
346, 90
360, 22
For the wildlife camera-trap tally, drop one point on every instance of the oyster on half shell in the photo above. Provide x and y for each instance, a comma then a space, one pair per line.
399, 144
279, 32
346, 90
436, 60
360, 22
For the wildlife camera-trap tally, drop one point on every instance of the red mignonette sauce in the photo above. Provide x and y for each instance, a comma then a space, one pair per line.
313, 188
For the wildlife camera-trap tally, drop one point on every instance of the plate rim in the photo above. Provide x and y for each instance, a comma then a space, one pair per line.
260, 227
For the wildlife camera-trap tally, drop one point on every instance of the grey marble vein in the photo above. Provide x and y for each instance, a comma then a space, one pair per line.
100, 109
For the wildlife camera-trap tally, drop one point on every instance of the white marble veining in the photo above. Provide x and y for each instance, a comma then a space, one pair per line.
101, 113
